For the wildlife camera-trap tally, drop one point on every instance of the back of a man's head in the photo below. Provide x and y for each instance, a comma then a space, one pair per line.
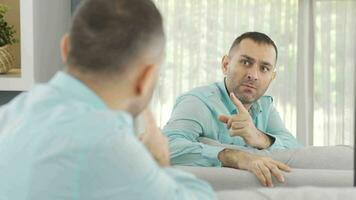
106, 36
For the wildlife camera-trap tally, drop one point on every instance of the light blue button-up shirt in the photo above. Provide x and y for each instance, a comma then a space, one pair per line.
195, 115
60, 141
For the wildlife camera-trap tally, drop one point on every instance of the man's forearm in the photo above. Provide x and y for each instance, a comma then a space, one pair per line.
186, 152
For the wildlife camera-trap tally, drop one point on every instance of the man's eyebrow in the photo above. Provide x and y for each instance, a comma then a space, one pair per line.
266, 63
248, 57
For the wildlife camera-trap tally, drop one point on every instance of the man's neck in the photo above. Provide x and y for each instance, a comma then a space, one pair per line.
113, 95
247, 106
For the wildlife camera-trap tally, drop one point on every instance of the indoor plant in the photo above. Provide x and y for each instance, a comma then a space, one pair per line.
7, 38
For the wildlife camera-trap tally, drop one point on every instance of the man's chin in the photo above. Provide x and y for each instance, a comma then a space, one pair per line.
247, 99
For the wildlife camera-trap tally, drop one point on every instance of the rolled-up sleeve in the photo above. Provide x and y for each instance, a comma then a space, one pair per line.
276, 129
189, 120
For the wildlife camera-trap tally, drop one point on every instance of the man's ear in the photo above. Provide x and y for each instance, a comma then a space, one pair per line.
146, 80
274, 75
224, 64
65, 47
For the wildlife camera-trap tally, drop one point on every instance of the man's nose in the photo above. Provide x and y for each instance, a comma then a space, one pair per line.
252, 73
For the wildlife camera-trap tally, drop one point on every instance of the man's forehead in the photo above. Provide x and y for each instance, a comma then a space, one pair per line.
259, 51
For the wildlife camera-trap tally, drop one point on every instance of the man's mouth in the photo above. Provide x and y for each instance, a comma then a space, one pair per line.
249, 86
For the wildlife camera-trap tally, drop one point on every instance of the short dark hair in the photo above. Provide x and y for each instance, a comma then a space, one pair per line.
106, 35
257, 37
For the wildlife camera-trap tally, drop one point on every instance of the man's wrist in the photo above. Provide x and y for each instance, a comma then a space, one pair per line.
266, 140
260, 140
221, 157
229, 157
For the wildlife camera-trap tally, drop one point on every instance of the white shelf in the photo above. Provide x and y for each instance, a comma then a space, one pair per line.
43, 23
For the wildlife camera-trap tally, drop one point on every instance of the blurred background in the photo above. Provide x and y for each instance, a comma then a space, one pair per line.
314, 88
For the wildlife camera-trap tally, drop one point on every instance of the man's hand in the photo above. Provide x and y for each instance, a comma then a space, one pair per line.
242, 125
262, 167
155, 142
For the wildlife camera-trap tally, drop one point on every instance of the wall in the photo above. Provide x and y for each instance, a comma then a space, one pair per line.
51, 22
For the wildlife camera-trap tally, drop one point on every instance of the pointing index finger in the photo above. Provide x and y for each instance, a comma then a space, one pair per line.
238, 103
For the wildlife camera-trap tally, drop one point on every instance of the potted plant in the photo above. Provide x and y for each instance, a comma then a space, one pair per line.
7, 38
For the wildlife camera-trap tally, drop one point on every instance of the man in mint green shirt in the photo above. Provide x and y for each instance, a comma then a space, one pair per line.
232, 112
72, 138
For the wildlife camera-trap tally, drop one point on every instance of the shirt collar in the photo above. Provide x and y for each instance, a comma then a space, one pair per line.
226, 97
72, 87
125, 117
255, 107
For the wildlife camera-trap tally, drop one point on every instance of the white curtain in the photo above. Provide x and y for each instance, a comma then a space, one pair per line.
200, 32
334, 65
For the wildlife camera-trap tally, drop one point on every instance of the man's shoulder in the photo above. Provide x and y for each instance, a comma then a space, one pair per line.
265, 102
44, 108
266, 99
204, 93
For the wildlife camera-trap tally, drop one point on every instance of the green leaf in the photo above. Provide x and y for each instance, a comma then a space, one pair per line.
7, 32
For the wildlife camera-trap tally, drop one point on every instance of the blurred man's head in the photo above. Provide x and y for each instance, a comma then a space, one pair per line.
249, 67
116, 44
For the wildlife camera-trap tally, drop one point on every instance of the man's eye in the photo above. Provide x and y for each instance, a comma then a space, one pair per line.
265, 69
245, 62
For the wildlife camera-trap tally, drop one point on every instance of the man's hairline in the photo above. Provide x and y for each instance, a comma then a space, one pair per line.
235, 48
